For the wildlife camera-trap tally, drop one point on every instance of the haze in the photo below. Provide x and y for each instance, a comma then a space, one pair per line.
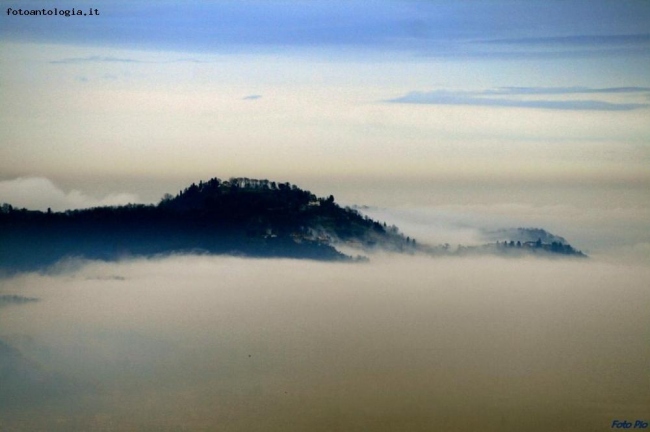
400, 91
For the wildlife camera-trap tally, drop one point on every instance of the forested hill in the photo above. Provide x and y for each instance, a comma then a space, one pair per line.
269, 210
240, 216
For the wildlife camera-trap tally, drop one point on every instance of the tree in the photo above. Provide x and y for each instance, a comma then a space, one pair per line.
166, 198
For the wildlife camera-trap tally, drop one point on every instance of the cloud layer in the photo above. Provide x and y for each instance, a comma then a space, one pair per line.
112, 59
505, 97
38, 193
400, 343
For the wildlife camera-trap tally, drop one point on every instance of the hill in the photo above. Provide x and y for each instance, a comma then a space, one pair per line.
240, 216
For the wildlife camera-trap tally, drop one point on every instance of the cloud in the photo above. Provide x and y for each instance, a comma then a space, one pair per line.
38, 193
578, 40
430, 225
10, 299
110, 59
563, 90
95, 59
572, 46
504, 99
253, 97
173, 342
609, 233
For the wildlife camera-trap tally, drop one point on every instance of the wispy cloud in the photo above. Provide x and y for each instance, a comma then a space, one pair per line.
253, 97
109, 59
549, 47
9, 299
503, 97
577, 40
95, 59
562, 90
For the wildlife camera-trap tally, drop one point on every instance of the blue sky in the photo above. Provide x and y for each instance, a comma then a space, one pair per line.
438, 28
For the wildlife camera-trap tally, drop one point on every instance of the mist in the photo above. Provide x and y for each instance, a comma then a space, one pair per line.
40, 193
399, 343
610, 231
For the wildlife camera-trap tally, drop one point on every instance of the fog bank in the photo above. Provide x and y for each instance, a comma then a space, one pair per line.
400, 343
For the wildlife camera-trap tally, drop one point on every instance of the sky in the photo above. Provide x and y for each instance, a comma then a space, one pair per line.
536, 103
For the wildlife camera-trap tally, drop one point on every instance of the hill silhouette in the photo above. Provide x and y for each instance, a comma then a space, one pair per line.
240, 216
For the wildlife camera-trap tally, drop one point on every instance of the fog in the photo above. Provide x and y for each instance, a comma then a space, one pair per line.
615, 231
40, 193
399, 343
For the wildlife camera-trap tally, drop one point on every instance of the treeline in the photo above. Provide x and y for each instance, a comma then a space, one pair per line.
555, 247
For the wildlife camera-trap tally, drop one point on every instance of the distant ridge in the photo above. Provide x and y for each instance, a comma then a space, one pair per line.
524, 235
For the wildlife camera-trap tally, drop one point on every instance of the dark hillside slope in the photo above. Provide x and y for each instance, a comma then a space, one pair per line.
240, 216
